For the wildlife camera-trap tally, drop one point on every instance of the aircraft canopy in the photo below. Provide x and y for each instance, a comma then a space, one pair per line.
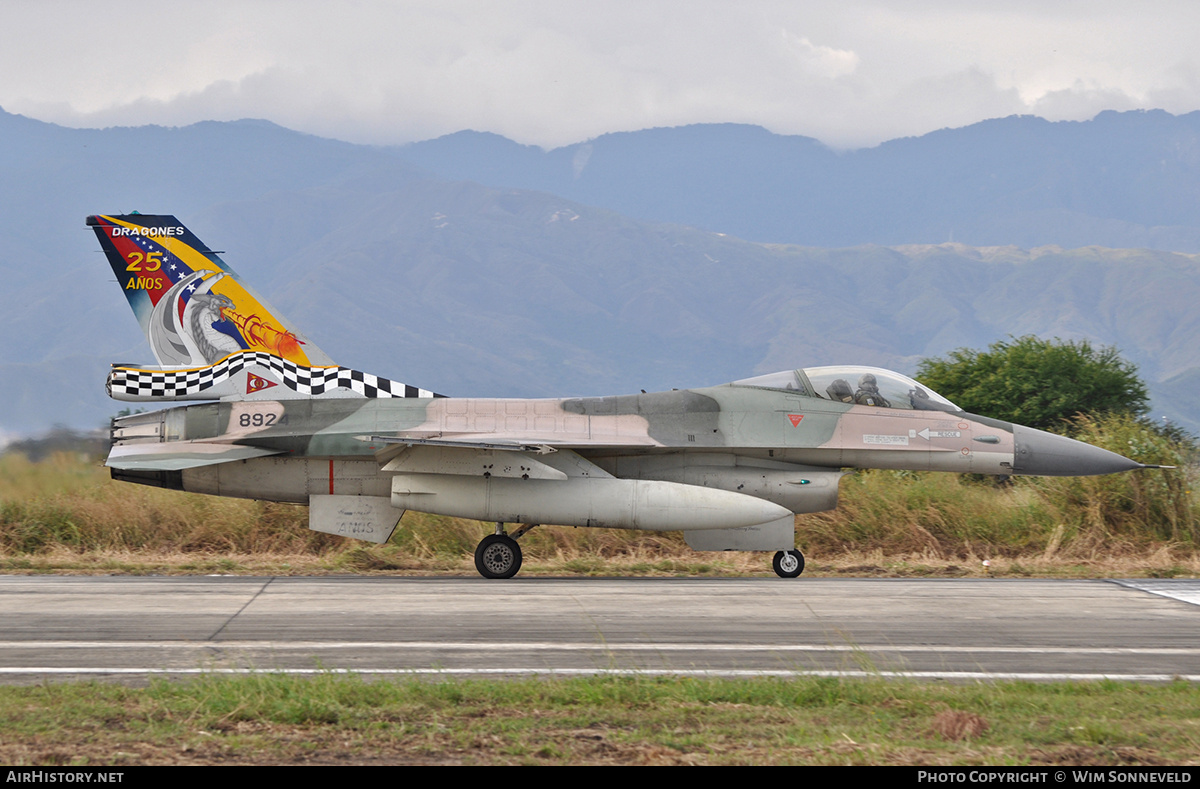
856, 385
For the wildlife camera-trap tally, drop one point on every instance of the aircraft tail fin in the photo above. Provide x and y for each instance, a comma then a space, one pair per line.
212, 335
191, 305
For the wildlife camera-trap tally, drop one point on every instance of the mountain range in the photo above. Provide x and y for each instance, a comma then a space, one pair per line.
1123, 179
645, 260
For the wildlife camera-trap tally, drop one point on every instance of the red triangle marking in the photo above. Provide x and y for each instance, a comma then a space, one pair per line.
795, 419
256, 383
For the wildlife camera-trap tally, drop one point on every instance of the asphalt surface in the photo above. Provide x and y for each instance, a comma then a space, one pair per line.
127, 629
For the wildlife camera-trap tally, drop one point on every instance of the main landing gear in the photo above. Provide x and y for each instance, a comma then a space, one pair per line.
788, 564
498, 555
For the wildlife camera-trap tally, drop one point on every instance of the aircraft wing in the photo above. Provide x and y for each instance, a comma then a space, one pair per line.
470, 457
503, 446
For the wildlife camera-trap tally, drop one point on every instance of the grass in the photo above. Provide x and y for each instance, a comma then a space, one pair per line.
64, 514
339, 719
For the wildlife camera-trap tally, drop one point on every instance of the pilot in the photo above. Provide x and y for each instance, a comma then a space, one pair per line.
868, 392
840, 391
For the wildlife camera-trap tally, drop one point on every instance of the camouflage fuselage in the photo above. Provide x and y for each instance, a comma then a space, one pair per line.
612, 432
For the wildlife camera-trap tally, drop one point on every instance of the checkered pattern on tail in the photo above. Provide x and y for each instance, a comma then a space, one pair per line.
305, 380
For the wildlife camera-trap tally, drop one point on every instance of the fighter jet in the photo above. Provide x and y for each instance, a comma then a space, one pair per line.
730, 466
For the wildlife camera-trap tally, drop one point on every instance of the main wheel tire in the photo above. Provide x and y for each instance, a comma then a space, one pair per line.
788, 564
498, 556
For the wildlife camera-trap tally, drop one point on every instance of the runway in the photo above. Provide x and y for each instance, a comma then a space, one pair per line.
131, 628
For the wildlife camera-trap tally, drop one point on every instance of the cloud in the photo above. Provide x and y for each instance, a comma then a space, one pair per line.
823, 61
557, 73
1081, 102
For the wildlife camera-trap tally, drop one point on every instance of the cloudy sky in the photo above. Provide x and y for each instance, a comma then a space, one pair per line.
552, 73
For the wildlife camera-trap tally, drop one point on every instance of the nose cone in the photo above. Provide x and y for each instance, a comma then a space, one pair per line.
1038, 453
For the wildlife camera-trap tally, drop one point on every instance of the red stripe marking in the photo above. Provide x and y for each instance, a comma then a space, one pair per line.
331, 476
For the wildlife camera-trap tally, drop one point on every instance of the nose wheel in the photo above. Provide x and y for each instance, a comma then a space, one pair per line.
788, 564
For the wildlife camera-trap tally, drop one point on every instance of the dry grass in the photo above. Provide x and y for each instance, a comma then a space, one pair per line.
65, 515
956, 725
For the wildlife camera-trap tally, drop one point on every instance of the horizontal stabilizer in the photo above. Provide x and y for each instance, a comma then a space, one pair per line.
178, 455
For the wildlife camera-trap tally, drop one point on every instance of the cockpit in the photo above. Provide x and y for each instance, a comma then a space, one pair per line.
855, 386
